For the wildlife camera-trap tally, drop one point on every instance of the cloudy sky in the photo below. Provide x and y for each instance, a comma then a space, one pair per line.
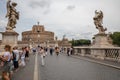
74, 18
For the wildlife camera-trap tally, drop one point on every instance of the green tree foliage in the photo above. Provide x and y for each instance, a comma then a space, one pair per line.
80, 42
116, 38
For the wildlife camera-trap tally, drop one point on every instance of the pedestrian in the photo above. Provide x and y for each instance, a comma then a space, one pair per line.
46, 50
68, 51
51, 51
38, 49
42, 54
16, 57
6, 58
57, 50
6, 77
34, 50
62, 50
23, 57
27, 53
71, 50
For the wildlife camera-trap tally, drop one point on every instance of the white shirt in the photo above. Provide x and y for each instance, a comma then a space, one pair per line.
16, 52
42, 53
23, 54
7, 54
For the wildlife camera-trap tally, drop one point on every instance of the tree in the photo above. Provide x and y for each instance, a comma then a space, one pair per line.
80, 42
116, 38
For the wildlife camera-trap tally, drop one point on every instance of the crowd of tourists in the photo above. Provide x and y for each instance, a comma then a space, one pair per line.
52, 50
11, 60
43, 51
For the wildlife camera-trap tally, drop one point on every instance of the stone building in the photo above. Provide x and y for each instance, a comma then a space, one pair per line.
38, 34
64, 43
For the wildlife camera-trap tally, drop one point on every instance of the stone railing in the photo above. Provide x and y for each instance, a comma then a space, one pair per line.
100, 53
113, 53
82, 51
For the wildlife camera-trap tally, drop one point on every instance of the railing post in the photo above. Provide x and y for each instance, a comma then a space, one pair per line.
98, 53
82, 52
76, 51
119, 55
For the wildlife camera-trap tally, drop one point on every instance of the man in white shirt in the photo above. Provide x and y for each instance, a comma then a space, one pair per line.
42, 53
16, 58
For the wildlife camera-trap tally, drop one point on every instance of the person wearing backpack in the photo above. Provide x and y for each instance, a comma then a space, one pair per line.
6, 58
16, 57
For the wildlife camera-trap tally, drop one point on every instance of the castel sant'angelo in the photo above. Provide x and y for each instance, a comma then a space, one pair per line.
39, 36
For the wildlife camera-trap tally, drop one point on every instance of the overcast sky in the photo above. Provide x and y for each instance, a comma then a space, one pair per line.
74, 18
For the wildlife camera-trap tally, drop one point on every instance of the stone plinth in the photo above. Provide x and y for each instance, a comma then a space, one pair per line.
98, 53
65, 43
101, 41
9, 38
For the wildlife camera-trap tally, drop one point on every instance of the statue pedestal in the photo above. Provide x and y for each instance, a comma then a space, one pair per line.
101, 41
9, 38
100, 44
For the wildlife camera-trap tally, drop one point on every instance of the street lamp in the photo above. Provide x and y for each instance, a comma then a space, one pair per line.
48, 43
28, 39
56, 41
38, 37
44, 44
30, 45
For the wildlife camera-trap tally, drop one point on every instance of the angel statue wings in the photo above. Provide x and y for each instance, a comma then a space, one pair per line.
12, 15
98, 21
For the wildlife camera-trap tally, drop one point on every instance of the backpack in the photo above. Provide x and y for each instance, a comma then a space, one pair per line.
14, 56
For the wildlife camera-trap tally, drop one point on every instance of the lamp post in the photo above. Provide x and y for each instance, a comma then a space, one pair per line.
56, 41
28, 39
33, 44
38, 37
30, 44
44, 44
48, 43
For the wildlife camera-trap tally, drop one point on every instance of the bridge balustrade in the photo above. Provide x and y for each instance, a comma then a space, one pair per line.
101, 53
